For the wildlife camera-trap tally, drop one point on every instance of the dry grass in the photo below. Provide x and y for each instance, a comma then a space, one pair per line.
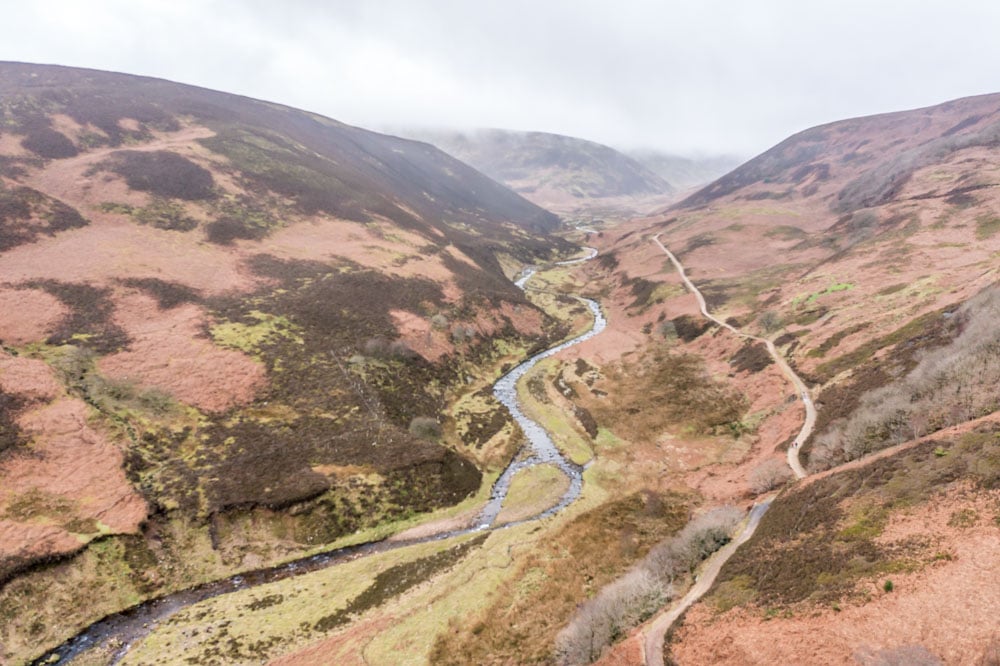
532, 490
538, 599
668, 390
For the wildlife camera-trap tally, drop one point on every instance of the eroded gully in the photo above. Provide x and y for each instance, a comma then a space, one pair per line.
120, 631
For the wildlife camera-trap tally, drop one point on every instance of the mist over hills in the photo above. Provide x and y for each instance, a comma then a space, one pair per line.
685, 172
556, 171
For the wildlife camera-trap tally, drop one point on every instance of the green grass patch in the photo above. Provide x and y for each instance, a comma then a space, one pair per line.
987, 226
250, 337
832, 289
532, 491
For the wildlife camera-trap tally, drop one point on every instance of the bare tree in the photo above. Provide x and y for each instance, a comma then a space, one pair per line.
769, 474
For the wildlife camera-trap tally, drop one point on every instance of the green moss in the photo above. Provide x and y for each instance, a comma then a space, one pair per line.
832, 289
737, 591
866, 523
250, 337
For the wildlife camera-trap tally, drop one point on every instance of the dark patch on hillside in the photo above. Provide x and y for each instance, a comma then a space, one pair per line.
162, 173
240, 219
10, 433
168, 295
50, 144
689, 328
751, 357
90, 322
643, 290
25, 214
835, 339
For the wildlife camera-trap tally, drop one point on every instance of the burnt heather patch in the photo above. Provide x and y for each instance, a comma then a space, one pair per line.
89, 323
26, 214
162, 173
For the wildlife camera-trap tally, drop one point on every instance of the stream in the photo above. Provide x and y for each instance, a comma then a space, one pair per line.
121, 630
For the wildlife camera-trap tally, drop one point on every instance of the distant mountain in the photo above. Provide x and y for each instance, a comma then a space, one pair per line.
555, 171
685, 172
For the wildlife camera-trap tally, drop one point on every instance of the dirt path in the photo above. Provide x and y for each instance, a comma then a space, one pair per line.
800, 387
655, 632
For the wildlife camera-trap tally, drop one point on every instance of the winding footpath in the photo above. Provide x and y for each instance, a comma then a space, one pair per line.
800, 386
654, 633
130, 626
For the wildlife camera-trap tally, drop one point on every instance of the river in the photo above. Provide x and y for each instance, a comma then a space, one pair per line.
127, 627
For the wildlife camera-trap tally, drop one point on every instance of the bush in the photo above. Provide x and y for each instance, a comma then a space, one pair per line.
770, 321
607, 617
769, 475
887, 586
948, 386
688, 328
634, 597
425, 427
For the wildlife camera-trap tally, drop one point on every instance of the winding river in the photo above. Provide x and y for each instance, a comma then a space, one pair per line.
120, 630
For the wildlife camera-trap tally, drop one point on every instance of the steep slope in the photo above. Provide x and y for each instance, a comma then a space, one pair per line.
232, 331
867, 250
685, 172
558, 172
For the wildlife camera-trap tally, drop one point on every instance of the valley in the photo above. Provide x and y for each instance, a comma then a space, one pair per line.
276, 389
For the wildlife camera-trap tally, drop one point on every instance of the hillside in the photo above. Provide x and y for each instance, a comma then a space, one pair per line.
867, 251
237, 334
561, 173
232, 331
685, 172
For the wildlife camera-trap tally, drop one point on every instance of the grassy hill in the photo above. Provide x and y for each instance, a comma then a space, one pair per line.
233, 331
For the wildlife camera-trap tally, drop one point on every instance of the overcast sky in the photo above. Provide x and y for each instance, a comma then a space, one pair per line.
684, 76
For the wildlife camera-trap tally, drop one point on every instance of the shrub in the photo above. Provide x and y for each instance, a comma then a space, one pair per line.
751, 357
770, 321
949, 385
227, 229
607, 617
688, 328
768, 475
887, 586
425, 427
460, 333
642, 591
